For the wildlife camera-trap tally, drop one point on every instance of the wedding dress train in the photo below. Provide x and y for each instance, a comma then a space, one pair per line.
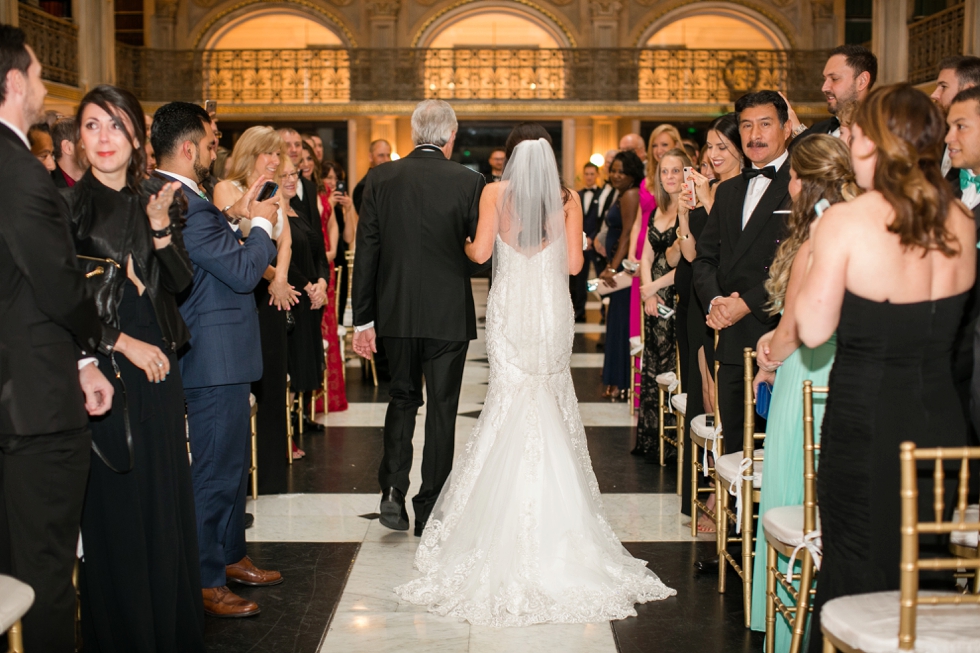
519, 535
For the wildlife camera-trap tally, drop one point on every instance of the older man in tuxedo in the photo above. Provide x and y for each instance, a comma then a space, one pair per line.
412, 287
224, 355
738, 244
49, 383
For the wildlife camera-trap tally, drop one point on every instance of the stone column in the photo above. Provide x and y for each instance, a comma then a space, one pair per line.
8, 12
890, 39
569, 166
605, 135
605, 23
383, 17
160, 23
971, 27
96, 38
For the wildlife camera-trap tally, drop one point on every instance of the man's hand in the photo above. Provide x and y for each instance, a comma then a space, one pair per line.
240, 208
726, 311
268, 209
365, 343
98, 391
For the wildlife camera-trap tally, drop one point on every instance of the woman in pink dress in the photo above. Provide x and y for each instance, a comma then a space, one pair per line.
662, 139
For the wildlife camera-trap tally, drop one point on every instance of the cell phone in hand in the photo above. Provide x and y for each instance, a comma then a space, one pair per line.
664, 312
269, 189
342, 187
689, 180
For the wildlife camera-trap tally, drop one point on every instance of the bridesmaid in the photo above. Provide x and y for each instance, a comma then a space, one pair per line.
820, 168
662, 139
140, 579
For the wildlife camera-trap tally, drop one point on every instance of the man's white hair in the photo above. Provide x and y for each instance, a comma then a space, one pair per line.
433, 122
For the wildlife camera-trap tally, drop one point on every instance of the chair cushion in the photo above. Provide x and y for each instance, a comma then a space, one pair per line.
701, 430
667, 379
16, 599
341, 331
967, 539
326, 345
869, 622
785, 524
727, 468
636, 346
679, 402
251, 399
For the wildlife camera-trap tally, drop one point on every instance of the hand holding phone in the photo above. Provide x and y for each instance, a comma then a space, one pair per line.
269, 189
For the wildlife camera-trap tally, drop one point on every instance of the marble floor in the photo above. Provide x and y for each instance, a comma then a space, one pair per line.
340, 564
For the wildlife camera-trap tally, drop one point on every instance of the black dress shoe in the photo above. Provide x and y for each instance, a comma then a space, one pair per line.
419, 527
707, 564
393, 513
249, 520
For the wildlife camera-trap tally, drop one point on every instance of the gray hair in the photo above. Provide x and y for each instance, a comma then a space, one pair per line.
433, 122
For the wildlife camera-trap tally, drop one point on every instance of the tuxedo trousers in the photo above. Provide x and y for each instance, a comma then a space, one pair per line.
440, 363
730, 395
218, 425
42, 487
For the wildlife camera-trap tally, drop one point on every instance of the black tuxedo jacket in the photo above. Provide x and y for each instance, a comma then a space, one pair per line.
306, 207
58, 178
45, 315
731, 259
411, 275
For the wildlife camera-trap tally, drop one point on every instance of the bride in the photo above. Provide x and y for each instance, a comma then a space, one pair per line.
519, 535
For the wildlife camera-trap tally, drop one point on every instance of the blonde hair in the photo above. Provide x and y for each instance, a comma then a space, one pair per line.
823, 165
253, 142
657, 131
663, 197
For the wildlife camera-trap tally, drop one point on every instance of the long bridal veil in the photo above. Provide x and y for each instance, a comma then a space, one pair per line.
519, 535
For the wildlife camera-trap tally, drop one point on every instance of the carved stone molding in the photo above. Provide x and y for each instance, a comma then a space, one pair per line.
823, 9
608, 9
340, 3
383, 8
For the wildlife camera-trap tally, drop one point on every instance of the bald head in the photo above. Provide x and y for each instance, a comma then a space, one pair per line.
634, 142
610, 155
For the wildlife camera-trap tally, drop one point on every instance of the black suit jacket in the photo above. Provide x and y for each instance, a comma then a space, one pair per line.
411, 275
58, 178
45, 315
731, 259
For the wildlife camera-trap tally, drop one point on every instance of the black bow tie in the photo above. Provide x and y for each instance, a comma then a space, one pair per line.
751, 173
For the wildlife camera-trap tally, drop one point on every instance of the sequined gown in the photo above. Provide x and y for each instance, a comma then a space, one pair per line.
519, 535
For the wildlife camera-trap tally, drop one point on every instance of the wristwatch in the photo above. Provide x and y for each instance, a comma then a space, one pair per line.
799, 130
163, 233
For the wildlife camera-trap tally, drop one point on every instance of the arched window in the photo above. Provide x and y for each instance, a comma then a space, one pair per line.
273, 29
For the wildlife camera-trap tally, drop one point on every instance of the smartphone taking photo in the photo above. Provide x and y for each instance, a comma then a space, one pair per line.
269, 189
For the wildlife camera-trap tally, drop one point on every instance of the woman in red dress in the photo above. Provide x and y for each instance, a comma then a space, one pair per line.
326, 200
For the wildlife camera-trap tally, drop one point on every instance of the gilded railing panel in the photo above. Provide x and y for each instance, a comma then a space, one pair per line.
327, 75
55, 42
932, 39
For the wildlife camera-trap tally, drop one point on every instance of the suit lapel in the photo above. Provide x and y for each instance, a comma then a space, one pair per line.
735, 212
772, 200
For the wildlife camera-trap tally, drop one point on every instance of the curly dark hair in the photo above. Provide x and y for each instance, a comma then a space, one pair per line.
632, 166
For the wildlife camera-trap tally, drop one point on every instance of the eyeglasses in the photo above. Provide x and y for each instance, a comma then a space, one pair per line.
291, 175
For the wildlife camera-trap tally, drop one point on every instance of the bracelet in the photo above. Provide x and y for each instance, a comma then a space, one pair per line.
679, 236
163, 233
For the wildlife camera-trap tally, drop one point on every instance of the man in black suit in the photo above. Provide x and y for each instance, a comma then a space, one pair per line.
412, 287
737, 246
963, 145
304, 203
50, 385
64, 134
497, 161
848, 76
379, 152
956, 73
596, 200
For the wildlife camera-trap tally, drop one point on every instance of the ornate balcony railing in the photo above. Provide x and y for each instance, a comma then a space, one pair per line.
933, 38
328, 75
55, 42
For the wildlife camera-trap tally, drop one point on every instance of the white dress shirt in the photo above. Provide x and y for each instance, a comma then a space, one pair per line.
587, 197
947, 164
757, 188
261, 223
971, 197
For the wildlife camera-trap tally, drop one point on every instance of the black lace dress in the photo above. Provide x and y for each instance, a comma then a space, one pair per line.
659, 355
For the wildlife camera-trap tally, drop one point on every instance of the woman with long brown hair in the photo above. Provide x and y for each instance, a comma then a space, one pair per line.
890, 274
820, 169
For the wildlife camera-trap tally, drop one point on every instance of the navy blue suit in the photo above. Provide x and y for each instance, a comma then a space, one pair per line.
222, 359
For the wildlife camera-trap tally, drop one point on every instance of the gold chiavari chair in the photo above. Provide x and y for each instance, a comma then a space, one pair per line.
367, 364
678, 404
636, 364
16, 598
739, 474
910, 619
792, 530
705, 436
669, 385
341, 329
966, 544
254, 469
289, 422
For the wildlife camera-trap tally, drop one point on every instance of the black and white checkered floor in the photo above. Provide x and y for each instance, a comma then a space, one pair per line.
340, 564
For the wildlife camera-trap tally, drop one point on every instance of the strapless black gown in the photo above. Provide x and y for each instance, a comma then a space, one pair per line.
891, 382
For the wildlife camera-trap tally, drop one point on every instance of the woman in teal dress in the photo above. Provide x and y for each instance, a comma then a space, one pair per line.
820, 168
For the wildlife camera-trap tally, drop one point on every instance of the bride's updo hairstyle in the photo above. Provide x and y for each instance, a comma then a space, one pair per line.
532, 131
908, 129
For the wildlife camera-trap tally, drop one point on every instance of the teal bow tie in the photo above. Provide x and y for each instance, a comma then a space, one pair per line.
203, 195
968, 179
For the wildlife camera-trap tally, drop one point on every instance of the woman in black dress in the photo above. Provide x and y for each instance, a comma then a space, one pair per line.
625, 175
308, 271
890, 274
140, 574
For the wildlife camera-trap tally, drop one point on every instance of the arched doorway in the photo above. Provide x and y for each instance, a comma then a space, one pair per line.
715, 26
494, 51
274, 29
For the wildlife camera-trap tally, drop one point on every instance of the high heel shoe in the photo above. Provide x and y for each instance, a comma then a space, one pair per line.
609, 392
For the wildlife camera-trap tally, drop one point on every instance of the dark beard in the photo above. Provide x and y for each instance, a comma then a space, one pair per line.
201, 172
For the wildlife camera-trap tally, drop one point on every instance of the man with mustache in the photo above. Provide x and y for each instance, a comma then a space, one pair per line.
737, 246
956, 73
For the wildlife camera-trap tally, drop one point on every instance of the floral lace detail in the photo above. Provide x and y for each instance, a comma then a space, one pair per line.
519, 534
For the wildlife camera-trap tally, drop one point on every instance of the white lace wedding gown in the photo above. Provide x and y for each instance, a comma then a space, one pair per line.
519, 535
